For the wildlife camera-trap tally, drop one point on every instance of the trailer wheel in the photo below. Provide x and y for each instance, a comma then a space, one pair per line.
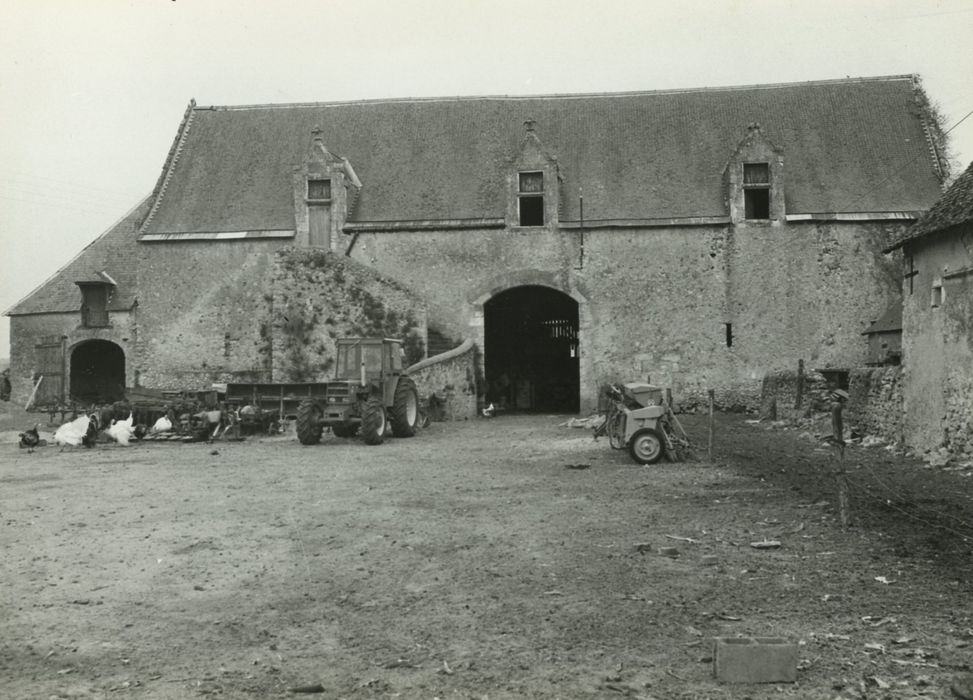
345, 430
309, 423
646, 446
405, 408
373, 422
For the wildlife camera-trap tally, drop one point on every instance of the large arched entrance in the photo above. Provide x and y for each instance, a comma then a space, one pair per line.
531, 350
97, 372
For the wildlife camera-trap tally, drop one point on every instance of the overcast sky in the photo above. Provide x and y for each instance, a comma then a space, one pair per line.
92, 92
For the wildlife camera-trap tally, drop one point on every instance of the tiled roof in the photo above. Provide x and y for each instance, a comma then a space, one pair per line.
890, 321
114, 254
855, 145
954, 208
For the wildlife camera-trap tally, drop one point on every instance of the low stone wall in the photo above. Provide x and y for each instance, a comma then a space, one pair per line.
874, 408
875, 404
447, 383
778, 399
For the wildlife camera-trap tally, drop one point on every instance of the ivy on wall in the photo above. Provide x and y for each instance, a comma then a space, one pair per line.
319, 297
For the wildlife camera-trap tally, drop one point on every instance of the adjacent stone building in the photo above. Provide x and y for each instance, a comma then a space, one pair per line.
700, 238
937, 324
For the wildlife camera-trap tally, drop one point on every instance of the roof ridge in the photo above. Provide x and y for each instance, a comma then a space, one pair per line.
560, 95
171, 159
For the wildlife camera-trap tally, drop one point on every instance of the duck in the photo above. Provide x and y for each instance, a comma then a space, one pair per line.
80, 431
121, 431
163, 425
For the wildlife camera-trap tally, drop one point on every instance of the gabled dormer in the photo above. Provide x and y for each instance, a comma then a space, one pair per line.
96, 294
754, 180
533, 184
325, 192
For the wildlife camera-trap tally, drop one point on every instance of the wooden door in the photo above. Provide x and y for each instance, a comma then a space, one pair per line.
49, 353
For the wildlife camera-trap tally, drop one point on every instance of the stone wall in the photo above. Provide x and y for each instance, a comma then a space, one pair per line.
875, 403
779, 395
657, 302
448, 384
25, 331
318, 297
958, 414
203, 312
874, 407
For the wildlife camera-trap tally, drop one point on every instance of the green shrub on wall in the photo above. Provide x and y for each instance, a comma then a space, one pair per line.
320, 297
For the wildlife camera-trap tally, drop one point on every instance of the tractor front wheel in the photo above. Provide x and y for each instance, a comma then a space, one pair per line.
646, 446
309, 423
373, 422
405, 408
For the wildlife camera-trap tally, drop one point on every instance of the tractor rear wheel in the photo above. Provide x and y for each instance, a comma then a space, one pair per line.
646, 446
309, 423
345, 430
373, 422
405, 408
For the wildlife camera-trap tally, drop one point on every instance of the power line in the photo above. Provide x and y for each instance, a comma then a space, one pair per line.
65, 203
48, 183
63, 196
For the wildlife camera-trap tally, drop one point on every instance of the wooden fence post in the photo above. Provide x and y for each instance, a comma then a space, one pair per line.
841, 477
800, 383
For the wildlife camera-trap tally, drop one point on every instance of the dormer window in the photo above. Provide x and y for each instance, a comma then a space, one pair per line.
94, 305
319, 190
756, 190
530, 199
754, 181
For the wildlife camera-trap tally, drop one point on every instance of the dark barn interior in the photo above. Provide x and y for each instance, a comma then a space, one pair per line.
531, 350
98, 372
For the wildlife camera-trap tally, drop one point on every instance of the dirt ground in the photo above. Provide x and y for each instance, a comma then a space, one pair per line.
500, 558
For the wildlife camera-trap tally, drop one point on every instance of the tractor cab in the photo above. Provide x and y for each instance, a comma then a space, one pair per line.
368, 359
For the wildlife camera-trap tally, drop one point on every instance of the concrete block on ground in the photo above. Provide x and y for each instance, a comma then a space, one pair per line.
754, 660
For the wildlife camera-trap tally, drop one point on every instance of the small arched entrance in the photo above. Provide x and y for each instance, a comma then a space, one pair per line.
97, 372
531, 350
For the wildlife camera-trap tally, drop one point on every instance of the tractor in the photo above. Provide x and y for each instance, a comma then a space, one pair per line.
369, 393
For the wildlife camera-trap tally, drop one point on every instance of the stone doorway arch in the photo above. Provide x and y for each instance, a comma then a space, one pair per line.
97, 372
531, 351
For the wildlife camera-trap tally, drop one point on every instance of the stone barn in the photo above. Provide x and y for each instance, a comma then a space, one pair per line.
698, 238
937, 324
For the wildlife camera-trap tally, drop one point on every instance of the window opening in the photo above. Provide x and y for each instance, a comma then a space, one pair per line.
94, 305
756, 190
319, 189
729, 334
937, 294
530, 199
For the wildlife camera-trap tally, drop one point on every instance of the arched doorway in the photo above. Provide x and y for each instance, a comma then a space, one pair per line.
531, 350
97, 372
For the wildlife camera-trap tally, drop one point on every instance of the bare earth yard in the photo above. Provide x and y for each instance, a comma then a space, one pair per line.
497, 558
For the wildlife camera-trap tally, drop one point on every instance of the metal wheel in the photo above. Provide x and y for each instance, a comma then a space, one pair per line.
309, 422
646, 446
373, 422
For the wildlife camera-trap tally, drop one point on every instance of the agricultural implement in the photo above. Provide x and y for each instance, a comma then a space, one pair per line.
369, 395
641, 420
